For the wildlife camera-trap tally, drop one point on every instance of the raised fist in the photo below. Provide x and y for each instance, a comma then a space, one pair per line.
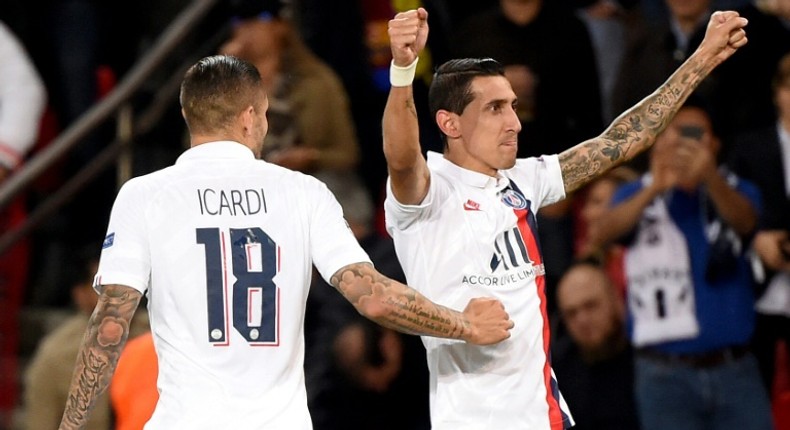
408, 32
725, 34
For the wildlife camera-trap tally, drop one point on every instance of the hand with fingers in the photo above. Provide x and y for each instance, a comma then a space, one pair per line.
408, 33
488, 321
663, 168
773, 248
725, 34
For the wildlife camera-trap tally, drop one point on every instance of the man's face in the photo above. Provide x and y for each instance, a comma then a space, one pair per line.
689, 123
588, 307
489, 127
682, 150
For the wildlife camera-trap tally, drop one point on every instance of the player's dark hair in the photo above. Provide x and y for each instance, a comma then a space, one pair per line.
451, 89
216, 89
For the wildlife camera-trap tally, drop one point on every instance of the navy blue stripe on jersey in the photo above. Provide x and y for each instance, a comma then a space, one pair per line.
215, 298
555, 391
531, 221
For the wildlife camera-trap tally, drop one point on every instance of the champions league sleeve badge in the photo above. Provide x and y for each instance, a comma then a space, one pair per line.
108, 241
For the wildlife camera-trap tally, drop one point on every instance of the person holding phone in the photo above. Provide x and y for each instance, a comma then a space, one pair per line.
687, 225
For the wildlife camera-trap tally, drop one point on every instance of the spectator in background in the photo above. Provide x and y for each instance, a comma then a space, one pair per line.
356, 44
532, 39
687, 226
365, 370
595, 361
595, 200
606, 21
22, 100
48, 376
763, 156
342, 42
310, 124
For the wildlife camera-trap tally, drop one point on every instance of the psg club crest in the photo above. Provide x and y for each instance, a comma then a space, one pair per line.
513, 199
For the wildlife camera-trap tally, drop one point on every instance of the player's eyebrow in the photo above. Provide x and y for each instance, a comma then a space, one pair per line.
500, 102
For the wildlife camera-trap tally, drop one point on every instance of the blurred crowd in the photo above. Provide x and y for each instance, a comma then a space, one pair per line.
669, 277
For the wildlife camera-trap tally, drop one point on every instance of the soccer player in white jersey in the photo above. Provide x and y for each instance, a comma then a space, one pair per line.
223, 245
464, 221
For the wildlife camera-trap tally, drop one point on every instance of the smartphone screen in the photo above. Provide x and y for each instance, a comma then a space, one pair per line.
692, 131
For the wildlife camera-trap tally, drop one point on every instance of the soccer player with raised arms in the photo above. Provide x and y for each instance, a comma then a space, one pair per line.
464, 221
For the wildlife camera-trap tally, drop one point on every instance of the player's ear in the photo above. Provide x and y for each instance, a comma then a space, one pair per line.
448, 123
247, 120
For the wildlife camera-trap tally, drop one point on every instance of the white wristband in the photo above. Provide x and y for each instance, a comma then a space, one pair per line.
402, 76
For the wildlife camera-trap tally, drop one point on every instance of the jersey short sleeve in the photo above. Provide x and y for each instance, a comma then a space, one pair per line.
403, 216
332, 244
545, 175
125, 251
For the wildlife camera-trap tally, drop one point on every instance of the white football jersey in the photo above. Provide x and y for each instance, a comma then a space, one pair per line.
223, 246
473, 236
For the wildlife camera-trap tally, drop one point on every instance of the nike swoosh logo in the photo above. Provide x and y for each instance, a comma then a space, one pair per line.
471, 206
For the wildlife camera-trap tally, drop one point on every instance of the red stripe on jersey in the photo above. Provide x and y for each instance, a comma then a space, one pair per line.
529, 236
278, 317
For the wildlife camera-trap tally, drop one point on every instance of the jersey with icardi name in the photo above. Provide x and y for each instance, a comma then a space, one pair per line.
472, 236
223, 246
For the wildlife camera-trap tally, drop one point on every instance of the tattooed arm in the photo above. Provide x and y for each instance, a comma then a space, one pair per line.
399, 307
409, 175
104, 339
636, 129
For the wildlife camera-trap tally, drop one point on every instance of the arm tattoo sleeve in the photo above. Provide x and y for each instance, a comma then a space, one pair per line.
104, 338
633, 131
395, 305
